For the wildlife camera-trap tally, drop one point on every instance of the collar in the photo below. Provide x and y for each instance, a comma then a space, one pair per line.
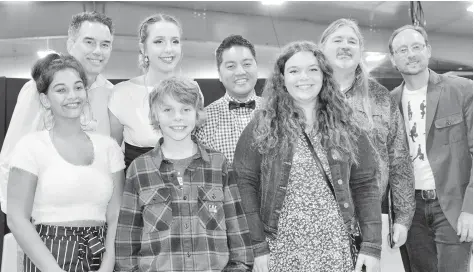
433, 79
100, 81
158, 158
227, 98
355, 84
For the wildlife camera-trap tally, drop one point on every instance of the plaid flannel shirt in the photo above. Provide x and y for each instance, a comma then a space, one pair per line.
199, 226
224, 126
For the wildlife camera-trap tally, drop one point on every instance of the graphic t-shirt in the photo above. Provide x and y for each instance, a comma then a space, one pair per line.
414, 111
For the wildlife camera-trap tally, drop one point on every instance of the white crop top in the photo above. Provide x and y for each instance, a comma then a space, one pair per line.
67, 192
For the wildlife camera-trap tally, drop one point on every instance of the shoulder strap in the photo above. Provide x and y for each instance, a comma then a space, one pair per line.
318, 163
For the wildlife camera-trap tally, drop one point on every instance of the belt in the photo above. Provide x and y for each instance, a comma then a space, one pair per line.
94, 240
426, 194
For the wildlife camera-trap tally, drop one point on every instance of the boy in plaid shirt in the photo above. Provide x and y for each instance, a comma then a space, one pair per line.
181, 207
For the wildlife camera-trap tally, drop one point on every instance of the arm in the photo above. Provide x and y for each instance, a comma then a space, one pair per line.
247, 172
130, 224
365, 192
238, 235
116, 128
21, 194
113, 210
401, 176
464, 225
467, 111
26, 118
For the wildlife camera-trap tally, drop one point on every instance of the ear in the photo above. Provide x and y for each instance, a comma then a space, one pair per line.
69, 44
219, 72
142, 48
392, 60
44, 101
428, 50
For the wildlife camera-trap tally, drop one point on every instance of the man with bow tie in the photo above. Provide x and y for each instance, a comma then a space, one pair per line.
228, 116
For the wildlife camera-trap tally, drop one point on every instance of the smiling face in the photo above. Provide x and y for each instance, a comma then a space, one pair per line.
303, 77
66, 95
409, 62
177, 120
342, 48
238, 72
91, 47
163, 46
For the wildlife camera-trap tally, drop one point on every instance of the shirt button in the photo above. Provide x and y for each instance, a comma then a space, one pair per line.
339, 181
346, 205
185, 197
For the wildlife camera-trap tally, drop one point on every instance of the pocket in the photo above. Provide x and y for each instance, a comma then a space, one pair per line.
157, 210
211, 207
450, 129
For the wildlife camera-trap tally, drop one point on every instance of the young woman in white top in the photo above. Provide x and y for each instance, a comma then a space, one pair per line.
160, 52
65, 184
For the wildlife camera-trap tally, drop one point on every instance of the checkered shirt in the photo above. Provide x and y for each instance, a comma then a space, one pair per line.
223, 126
163, 226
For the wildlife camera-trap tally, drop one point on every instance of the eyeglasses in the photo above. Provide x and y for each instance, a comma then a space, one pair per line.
416, 48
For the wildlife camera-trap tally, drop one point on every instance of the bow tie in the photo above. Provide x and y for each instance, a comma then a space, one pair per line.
235, 105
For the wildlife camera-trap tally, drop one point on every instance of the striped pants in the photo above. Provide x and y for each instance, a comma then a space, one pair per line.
76, 249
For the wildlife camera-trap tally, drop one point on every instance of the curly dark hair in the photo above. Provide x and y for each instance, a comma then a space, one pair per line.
44, 69
280, 121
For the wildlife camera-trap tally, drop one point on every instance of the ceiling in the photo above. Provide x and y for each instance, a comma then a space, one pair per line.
26, 34
376, 14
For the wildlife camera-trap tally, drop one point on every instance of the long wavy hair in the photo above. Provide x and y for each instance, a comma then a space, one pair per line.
362, 74
280, 120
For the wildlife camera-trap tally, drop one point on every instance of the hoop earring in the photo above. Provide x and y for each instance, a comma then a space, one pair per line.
87, 117
48, 119
146, 61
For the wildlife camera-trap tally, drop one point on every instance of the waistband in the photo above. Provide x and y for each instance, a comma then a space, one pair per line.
92, 237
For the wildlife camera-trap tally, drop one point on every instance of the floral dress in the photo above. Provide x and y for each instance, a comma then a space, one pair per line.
311, 232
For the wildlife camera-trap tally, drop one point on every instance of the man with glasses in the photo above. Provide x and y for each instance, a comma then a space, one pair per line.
440, 238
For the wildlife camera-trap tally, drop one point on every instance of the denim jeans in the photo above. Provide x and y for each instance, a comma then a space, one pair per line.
432, 243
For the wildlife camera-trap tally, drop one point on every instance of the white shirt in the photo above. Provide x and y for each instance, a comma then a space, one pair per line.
129, 103
67, 192
414, 111
28, 117
99, 93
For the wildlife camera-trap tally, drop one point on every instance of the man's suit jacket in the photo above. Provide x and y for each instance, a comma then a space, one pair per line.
449, 140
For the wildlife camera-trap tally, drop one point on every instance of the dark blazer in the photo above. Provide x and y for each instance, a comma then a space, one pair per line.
449, 140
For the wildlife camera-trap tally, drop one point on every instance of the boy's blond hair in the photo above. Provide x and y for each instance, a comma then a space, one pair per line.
181, 89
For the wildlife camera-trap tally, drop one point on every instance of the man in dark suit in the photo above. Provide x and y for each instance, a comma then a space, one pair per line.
440, 238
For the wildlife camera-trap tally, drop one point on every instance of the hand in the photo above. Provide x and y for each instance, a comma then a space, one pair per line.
372, 264
261, 263
465, 227
400, 233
